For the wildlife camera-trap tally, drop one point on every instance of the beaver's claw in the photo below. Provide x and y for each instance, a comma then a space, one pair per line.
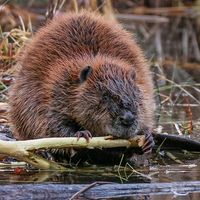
149, 142
86, 134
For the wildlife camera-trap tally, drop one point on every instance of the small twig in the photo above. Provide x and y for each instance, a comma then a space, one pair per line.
178, 129
174, 158
118, 168
160, 146
141, 174
180, 87
143, 18
158, 95
12, 164
87, 188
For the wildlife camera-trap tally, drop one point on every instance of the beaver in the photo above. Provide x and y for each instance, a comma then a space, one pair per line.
84, 76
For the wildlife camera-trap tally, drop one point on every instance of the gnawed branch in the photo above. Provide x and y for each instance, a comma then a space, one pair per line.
22, 150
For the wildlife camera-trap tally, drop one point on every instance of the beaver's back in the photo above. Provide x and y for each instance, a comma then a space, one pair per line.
74, 35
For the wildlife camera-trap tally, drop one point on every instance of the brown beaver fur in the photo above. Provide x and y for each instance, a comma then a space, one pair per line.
81, 72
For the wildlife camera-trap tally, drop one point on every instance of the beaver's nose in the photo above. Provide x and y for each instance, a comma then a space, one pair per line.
127, 119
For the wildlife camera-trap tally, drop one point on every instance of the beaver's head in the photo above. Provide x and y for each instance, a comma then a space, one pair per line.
108, 100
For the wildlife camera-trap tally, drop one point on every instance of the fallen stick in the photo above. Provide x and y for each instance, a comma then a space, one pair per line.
22, 149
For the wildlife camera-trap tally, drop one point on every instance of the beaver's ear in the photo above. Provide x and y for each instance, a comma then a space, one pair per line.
85, 73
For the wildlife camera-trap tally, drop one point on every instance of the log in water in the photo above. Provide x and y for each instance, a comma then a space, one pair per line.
97, 191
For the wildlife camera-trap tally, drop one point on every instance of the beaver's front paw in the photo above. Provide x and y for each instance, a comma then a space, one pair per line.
149, 142
86, 134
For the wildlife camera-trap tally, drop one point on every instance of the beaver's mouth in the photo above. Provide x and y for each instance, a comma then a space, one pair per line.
119, 132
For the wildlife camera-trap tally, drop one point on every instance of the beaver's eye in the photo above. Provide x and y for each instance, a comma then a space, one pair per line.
105, 98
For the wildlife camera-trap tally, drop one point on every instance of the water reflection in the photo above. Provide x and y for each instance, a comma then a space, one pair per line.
170, 172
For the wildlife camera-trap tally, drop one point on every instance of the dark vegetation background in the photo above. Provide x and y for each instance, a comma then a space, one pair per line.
167, 30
